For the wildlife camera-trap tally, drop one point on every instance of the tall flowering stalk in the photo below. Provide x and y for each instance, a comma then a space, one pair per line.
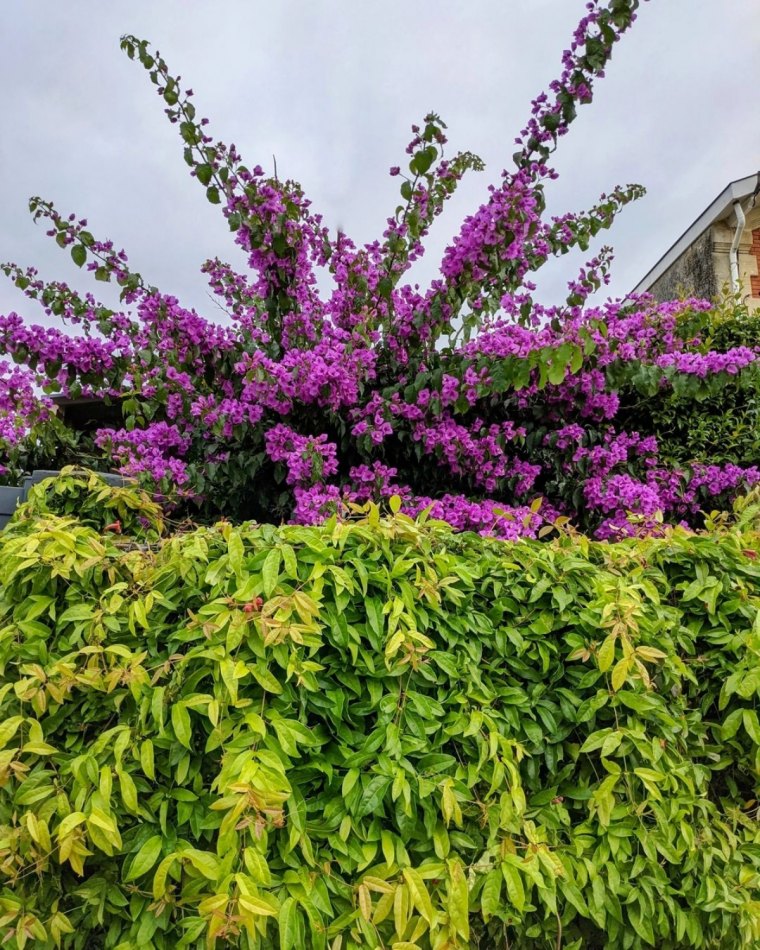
466, 398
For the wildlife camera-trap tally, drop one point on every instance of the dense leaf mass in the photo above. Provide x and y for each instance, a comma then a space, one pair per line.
333, 378
374, 733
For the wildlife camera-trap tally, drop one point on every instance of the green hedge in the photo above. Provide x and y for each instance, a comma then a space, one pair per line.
373, 734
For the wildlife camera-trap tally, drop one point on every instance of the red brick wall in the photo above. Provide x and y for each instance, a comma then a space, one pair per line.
755, 249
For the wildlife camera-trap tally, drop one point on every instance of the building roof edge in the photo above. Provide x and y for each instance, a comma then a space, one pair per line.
735, 191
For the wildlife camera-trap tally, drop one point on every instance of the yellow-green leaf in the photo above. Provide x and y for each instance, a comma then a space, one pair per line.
70, 822
515, 889
620, 672
419, 894
270, 571
146, 759
257, 906
8, 729
290, 925
128, 790
203, 861
459, 899
606, 653
159, 878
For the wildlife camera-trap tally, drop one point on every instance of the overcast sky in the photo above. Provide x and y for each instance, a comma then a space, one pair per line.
330, 87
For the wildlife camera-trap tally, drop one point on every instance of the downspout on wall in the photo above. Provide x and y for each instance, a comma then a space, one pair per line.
733, 255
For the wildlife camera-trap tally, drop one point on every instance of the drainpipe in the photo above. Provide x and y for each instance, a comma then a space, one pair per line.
741, 221
733, 256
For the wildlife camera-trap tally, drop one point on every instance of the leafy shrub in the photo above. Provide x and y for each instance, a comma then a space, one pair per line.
95, 504
335, 378
710, 419
376, 733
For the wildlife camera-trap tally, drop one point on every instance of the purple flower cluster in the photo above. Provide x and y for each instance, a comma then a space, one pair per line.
710, 363
308, 459
467, 398
155, 452
20, 406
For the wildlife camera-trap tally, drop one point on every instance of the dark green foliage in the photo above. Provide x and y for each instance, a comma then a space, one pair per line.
711, 420
374, 734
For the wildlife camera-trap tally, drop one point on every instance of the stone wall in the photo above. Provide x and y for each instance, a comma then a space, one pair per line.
693, 273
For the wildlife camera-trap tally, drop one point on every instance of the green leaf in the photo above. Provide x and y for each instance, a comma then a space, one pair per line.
128, 790
189, 133
574, 897
161, 875
203, 861
78, 254
642, 923
290, 925
235, 550
751, 724
181, 724
423, 160
265, 679
373, 795
204, 174
76, 613
595, 741
490, 896
270, 572
290, 561
557, 371
731, 723
145, 858
349, 780
611, 743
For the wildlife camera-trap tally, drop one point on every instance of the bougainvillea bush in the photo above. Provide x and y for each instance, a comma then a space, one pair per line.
331, 379
374, 733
